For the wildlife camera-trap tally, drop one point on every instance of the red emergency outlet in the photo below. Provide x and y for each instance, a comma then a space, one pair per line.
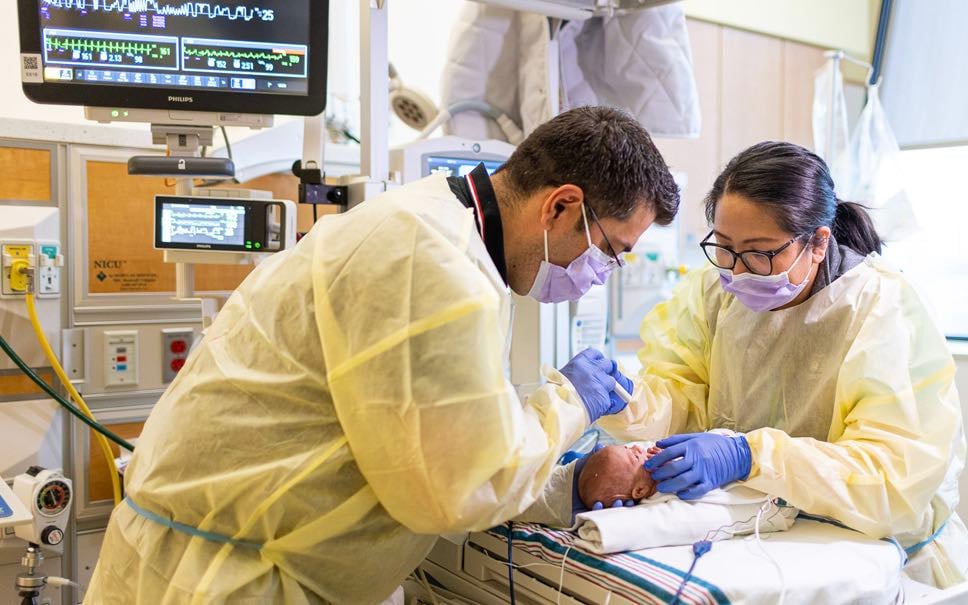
178, 347
176, 364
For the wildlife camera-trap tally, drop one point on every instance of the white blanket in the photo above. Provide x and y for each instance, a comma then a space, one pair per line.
665, 520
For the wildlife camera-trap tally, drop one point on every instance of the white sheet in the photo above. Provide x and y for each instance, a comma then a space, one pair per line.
821, 564
665, 520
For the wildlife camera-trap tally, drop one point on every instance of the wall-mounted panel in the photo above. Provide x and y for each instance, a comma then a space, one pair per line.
25, 174
14, 385
752, 93
846, 25
98, 479
698, 159
800, 64
120, 232
92, 484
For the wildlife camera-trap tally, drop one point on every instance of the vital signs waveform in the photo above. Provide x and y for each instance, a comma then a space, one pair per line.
67, 46
58, 43
216, 232
167, 9
218, 224
285, 57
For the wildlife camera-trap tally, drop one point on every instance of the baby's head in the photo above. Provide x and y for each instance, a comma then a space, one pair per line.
615, 472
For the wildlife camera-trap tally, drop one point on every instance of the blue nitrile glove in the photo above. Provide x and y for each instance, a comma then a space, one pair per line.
692, 464
591, 373
576, 504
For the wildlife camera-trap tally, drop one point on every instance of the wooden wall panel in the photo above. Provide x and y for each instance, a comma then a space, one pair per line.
120, 219
699, 158
25, 174
14, 385
800, 64
98, 479
752, 91
752, 88
121, 256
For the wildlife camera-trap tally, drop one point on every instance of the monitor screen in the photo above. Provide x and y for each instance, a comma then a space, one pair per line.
227, 55
205, 224
459, 166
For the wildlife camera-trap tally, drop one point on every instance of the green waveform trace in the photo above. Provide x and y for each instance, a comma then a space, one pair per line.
137, 48
253, 56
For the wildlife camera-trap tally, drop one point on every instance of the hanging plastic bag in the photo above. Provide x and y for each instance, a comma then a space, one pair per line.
877, 176
831, 138
865, 165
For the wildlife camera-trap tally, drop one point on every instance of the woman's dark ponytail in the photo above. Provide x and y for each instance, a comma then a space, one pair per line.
795, 186
854, 228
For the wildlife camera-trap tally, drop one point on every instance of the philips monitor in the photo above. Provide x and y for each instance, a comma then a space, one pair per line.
450, 155
244, 56
458, 166
223, 224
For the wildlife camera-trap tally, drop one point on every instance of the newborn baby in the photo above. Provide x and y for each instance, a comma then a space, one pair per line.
615, 472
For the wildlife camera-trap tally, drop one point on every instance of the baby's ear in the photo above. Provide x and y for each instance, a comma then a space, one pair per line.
639, 492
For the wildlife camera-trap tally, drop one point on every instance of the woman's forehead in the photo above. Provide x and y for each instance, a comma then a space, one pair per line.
742, 220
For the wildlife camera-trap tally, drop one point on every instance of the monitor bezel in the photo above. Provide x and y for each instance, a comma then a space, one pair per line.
250, 205
100, 95
478, 157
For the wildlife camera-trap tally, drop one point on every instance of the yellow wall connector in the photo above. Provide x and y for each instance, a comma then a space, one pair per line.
21, 276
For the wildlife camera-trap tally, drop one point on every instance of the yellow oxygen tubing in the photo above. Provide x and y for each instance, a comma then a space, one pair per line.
62, 376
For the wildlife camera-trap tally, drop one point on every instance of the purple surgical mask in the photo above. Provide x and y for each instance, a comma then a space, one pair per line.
555, 284
763, 292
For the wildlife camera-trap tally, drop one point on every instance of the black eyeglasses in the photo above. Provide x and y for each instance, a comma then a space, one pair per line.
616, 258
759, 262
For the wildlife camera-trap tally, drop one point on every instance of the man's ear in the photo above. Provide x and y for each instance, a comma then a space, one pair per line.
561, 202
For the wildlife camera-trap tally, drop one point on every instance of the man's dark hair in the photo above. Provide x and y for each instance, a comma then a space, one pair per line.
603, 150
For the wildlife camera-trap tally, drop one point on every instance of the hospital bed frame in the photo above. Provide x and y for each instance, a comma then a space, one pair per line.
473, 571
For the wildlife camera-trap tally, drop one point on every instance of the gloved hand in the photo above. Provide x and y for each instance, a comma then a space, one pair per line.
576, 503
692, 464
593, 375
622, 380
616, 504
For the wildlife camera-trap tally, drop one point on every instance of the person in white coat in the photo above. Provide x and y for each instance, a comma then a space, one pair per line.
351, 401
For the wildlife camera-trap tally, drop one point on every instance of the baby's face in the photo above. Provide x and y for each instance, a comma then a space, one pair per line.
615, 473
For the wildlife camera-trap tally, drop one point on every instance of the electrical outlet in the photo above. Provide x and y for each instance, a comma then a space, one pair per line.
176, 343
10, 253
48, 281
48, 275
